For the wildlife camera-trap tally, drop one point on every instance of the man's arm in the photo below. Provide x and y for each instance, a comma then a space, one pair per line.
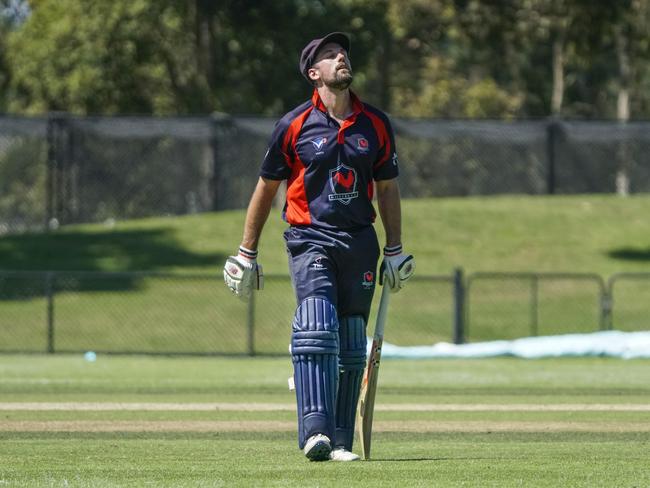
242, 273
388, 201
258, 211
396, 267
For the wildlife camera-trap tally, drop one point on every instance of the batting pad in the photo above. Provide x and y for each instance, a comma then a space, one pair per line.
315, 349
352, 361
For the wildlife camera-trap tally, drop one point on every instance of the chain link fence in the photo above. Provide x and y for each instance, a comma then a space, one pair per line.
163, 313
509, 306
177, 314
630, 295
65, 169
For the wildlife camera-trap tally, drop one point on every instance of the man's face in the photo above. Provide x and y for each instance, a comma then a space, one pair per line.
332, 67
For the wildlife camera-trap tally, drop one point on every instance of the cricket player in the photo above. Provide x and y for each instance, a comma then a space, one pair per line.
334, 151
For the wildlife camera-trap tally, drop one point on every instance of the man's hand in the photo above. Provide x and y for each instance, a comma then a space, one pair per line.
242, 274
397, 266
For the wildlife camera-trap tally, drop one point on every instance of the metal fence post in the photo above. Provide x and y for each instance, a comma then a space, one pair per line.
217, 122
49, 294
459, 307
50, 171
250, 324
59, 151
534, 299
551, 136
606, 303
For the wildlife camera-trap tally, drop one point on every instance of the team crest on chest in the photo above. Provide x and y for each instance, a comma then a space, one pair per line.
343, 182
362, 145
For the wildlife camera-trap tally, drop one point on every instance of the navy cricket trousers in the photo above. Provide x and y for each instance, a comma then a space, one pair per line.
340, 266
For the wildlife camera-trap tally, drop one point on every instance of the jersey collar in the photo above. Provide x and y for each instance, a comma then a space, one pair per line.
357, 105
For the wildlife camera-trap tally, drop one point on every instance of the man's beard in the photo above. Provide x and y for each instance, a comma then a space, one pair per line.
342, 79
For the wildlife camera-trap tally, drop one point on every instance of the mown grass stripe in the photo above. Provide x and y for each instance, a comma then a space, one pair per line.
417, 426
286, 407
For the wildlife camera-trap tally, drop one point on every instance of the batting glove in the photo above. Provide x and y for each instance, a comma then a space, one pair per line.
242, 274
397, 268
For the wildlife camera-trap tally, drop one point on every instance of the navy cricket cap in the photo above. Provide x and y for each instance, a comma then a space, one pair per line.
309, 52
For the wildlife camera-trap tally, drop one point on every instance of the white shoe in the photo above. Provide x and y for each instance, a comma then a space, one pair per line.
341, 454
318, 448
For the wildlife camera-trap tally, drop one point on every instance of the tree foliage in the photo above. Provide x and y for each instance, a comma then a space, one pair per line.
443, 58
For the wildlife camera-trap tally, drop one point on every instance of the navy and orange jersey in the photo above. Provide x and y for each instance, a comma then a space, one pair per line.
330, 168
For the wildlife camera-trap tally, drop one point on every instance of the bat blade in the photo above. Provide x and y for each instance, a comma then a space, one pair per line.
370, 378
367, 398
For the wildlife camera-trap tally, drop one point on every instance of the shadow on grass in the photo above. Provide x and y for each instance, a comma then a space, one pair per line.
393, 460
69, 253
630, 254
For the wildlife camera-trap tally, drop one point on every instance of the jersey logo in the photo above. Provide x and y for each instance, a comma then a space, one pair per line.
362, 145
319, 142
318, 264
343, 182
368, 280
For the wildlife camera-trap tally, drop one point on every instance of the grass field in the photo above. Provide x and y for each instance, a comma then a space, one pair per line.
597, 234
174, 421
601, 234
142, 421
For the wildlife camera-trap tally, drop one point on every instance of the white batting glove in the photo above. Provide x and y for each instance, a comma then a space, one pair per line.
242, 274
397, 268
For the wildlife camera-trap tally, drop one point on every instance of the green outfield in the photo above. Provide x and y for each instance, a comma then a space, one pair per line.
595, 234
601, 234
214, 421
143, 421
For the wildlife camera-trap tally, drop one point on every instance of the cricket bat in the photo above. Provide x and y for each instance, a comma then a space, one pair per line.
369, 383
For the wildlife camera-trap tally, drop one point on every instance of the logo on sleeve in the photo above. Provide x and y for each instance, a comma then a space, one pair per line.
394, 159
343, 182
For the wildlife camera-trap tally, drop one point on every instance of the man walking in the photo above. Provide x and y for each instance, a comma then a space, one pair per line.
334, 151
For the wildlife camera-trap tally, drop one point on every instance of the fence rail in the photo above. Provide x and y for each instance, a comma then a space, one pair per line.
171, 313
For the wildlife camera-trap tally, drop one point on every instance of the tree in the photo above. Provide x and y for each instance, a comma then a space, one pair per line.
447, 48
12, 14
452, 58
4, 69
180, 56
104, 57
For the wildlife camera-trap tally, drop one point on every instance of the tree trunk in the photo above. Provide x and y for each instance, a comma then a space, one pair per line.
623, 110
558, 72
384, 70
201, 17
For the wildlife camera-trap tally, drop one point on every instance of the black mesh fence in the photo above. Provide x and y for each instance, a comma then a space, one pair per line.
163, 313
64, 169
123, 168
241, 145
601, 157
455, 158
23, 173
